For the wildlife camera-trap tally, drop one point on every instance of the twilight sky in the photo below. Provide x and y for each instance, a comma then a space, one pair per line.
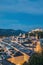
21, 14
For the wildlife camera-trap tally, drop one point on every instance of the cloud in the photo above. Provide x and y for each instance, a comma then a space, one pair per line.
26, 6
19, 14
16, 24
24, 27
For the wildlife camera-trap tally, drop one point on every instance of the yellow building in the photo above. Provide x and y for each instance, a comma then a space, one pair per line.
38, 47
19, 58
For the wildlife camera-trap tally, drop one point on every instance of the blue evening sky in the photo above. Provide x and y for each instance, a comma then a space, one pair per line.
21, 14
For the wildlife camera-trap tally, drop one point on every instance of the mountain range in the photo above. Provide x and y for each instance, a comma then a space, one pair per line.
10, 32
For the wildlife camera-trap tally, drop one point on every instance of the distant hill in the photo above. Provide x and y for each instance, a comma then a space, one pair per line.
10, 32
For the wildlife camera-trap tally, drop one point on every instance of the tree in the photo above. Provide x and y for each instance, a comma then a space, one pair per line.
35, 59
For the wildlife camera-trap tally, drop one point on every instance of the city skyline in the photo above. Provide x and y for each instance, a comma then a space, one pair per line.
21, 14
